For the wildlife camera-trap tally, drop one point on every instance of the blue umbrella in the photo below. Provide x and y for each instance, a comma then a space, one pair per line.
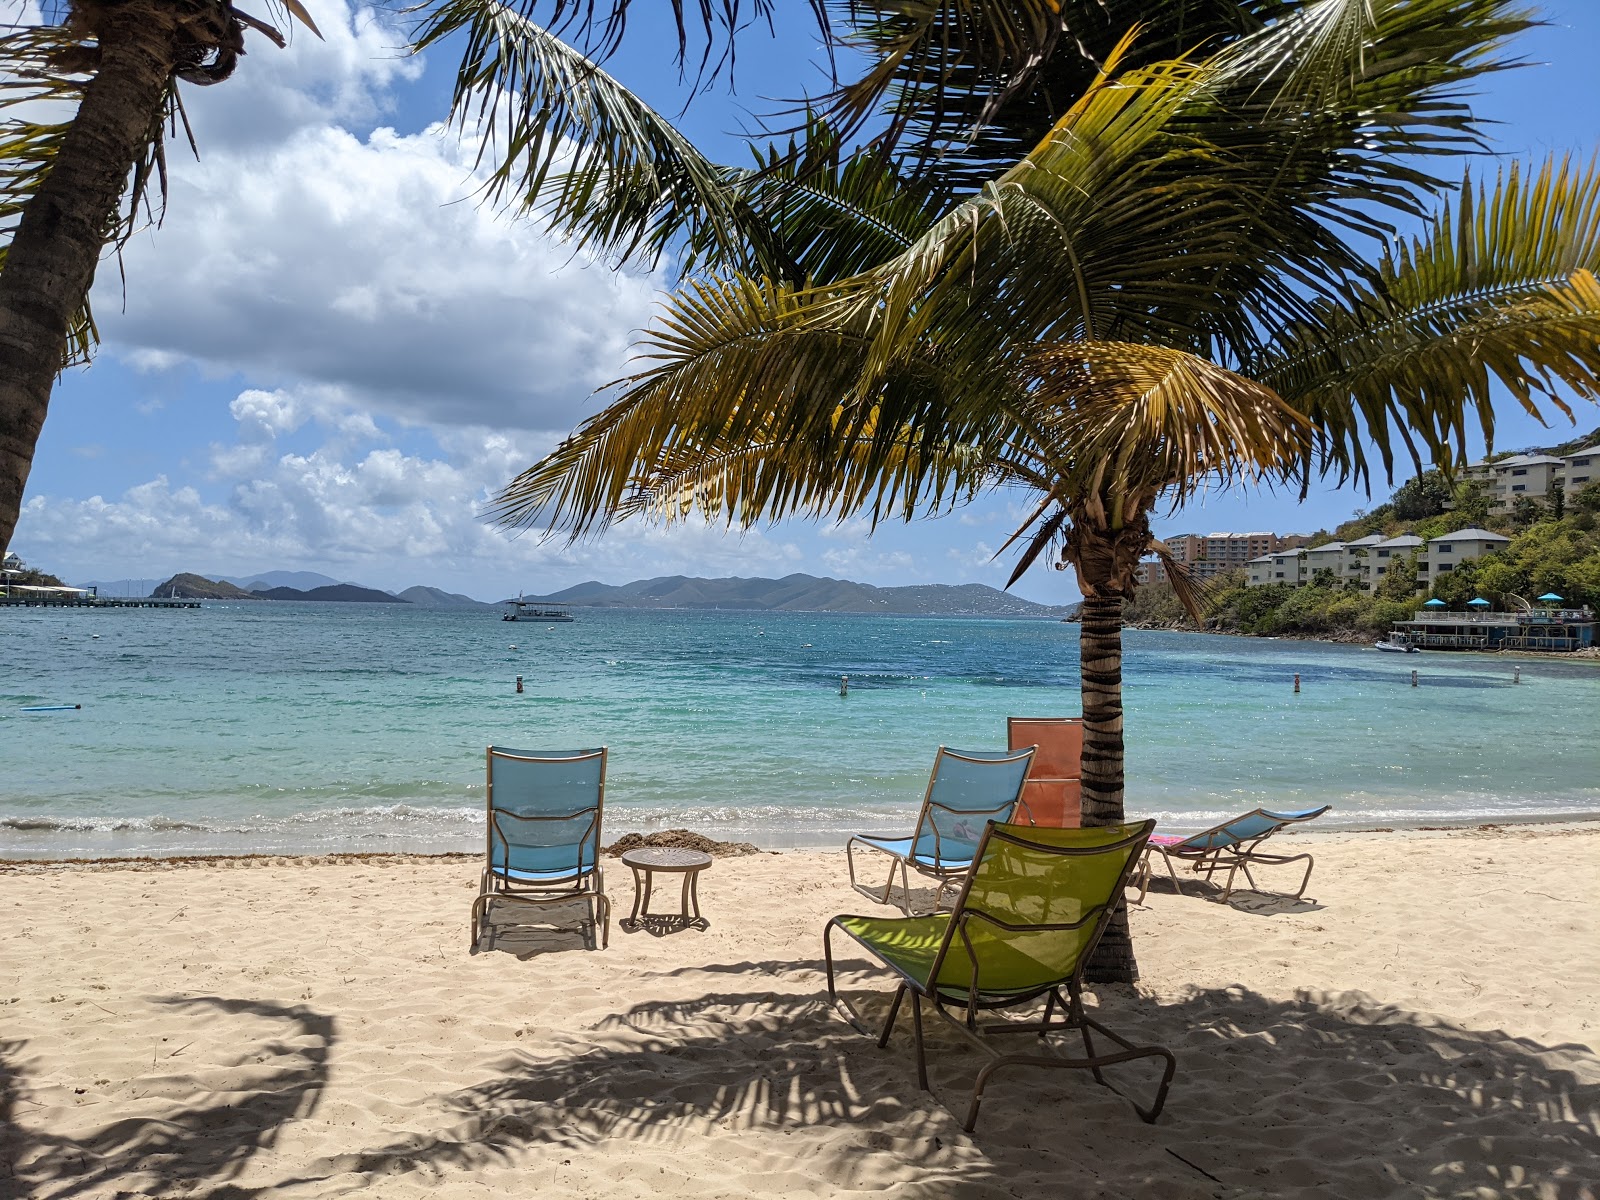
1550, 596
1478, 602
1434, 604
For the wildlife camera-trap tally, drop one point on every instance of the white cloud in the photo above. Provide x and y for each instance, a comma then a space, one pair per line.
859, 562
363, 511
346, 76
296, 251
354, 263
977, 557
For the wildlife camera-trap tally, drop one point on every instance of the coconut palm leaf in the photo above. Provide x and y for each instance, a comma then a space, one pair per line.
563, 137
835, 214
965, 88
1502, 289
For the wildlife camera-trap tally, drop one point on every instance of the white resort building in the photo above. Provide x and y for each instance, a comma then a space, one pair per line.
1372, 559
1535, 476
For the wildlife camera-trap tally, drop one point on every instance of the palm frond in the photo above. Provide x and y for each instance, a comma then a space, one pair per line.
1502, 289
1191, 592
835, 214
563, 137
965, 88
1114, 426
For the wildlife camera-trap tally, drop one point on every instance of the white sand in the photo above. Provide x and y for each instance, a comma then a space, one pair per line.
299, 1029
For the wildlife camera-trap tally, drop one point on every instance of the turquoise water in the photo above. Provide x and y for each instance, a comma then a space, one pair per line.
314, 727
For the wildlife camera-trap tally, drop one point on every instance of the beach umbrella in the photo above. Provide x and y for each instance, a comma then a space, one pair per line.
1434, 604
1550, 597
1477, 602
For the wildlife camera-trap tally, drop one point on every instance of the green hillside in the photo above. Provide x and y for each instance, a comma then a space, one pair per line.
1554, 548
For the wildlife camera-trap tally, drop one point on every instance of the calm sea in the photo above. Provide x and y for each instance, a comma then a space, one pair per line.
313, 727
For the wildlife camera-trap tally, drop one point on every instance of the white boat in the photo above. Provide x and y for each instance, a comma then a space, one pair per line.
529, 610
1396, 647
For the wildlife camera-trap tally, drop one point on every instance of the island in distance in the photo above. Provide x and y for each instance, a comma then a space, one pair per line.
804, 593
188, 586
792, 593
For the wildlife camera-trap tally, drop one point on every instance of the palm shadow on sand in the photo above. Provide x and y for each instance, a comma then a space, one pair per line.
195, 1150
1325, 1095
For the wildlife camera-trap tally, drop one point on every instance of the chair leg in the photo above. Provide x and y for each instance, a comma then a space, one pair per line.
916, 1026
894, 1010
1167, 858
602, 908
1310, 862
480, 908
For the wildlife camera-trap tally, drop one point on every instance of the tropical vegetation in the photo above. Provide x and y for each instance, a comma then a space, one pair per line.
1554, 549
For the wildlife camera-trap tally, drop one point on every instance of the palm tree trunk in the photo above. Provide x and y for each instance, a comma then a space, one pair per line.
1106, 560
63, 228
1100, 659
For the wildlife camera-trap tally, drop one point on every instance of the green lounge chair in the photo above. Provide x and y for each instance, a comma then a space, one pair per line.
544, 833
966, 789
1028, 918
1231, 846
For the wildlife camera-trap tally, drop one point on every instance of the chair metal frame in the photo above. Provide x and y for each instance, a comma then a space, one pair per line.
1233, 856
581, 883
934, 870
1073, 1018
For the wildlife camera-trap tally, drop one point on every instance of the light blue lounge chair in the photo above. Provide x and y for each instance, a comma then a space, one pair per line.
544, 812
1232, 846
967, 789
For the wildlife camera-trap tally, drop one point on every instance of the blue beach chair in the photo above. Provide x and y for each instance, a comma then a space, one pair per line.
544, 812
967, 789
1234, 845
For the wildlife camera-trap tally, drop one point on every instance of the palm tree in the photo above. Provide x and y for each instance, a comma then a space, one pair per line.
1165, 294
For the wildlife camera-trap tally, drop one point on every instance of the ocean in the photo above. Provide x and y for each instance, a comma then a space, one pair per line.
312, 728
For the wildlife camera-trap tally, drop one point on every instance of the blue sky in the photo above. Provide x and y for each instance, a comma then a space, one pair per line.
327, 357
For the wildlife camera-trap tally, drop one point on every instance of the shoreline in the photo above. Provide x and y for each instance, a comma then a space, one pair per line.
1358, 638
1566, 823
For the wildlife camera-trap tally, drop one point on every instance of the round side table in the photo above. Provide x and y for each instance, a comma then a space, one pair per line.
644, 863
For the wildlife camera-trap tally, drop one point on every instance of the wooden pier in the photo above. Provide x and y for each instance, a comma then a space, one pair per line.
37, 601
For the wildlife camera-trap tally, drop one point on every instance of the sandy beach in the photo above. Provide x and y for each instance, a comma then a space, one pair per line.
1425, 1027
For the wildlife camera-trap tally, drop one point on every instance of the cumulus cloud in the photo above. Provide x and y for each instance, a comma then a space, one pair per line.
358, 508
299, 250
354, 263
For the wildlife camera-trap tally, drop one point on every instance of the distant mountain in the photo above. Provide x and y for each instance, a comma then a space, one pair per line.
432, 597
335, 591
186, 586
274, 579
804, 593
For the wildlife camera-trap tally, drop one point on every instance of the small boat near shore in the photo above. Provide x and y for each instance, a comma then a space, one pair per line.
1394, 647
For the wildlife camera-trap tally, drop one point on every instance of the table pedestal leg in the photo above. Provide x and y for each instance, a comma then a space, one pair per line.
641, 895
694, 892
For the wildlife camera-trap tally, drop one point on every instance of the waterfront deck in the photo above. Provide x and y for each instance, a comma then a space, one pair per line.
93, 602
1553, 630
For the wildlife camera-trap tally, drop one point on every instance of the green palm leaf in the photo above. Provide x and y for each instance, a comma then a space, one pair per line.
1501, 289
564, 137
